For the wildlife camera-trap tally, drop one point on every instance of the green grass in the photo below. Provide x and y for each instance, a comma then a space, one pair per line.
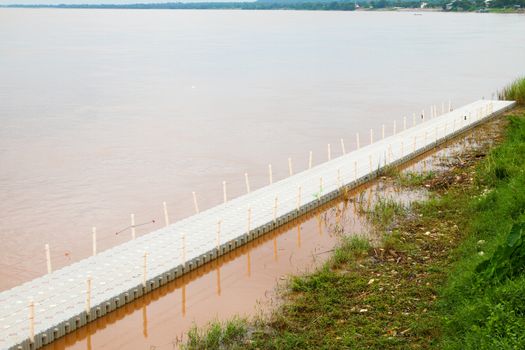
230, 335
479, 312
349, 248
385, 212
414, 179
389, 170
515, 91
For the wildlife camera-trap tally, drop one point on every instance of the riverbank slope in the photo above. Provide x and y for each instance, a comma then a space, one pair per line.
441, 276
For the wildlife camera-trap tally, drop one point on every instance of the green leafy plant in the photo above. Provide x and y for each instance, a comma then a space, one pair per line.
508, 259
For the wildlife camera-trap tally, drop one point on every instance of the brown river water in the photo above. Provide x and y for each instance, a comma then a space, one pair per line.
106, 113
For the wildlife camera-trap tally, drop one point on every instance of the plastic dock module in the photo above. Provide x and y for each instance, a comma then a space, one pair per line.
46, 308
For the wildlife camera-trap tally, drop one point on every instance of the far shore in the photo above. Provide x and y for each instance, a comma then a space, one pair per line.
265, 6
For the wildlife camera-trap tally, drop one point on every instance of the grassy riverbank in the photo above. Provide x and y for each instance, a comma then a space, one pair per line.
434, 281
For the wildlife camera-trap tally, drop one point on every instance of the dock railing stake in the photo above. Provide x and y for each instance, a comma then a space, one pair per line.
94, 235
310, 159
133, 233
329, 152
32, 321
88, 295
343, 146
247, 182
298, 198
219, 235
195, 204
224, 193
395, 127
166, 216
275, 204
270, 175
290, 168
48, 259
145, 269
249, 226
183, 255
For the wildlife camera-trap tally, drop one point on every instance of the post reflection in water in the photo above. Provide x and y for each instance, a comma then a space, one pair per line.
249, 264
183, 304
218, 280
275, 249
145, 321
299, 236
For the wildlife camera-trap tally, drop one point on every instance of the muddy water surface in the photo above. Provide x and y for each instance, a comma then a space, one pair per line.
105, 113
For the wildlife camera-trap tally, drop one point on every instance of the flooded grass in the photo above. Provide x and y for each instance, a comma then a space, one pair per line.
415, 179
228, 335
385, 213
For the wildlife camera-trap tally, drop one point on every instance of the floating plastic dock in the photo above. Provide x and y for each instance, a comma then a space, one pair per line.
38, 312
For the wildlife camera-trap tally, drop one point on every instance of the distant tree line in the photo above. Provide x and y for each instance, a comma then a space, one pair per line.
314, 5
473, 5
257, 5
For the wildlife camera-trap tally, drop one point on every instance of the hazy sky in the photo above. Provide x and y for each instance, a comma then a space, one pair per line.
27, 2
